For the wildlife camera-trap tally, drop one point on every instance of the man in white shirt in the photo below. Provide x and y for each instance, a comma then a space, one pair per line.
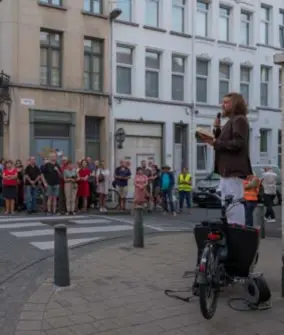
269, 179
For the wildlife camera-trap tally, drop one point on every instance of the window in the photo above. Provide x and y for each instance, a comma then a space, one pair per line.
152, 13
152, 74
224, 23
178, 10
264, 24
201, 80
93, 65
202, 19
264, 85
245, 82
49, 130
263, 143
224, 80
50, 58
124, 63
178, 72
201, 154
92, 137
245, 27
52, 2
281, 29
280, 88
279, 147
126, 10
93, 6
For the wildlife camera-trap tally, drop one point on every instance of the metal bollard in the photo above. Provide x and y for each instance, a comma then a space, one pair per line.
138, 233
61, 260
259, 219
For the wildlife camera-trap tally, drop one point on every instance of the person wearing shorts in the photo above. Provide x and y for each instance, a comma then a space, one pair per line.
122, 175
51, 177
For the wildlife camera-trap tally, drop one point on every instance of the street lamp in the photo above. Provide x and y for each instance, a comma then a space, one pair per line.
279, 60
114, 14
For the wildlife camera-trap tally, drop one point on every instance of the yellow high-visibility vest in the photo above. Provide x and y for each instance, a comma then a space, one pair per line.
182, 178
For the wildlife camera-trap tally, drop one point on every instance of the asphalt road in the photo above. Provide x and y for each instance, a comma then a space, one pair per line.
27, 239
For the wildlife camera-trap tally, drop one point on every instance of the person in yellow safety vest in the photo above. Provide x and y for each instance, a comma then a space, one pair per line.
251, 191
184, 189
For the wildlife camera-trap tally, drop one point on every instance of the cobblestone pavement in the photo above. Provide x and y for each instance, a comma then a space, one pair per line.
117, 290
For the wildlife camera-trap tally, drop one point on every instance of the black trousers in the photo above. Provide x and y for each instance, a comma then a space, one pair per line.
268, 203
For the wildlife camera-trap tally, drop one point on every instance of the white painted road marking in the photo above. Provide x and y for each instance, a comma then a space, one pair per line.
49, 245
40, 218
90, 221
46, 232
21, 225
122, 220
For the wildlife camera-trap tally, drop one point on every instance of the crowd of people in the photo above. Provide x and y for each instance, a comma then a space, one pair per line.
68, 188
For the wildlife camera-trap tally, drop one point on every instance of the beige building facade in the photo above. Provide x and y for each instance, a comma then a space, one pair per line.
57, 57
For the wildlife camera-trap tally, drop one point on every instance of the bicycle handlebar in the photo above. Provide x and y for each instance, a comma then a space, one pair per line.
229, 200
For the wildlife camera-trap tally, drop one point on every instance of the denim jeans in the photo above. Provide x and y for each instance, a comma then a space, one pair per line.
168, 198
30, 196
249, 209
184, 195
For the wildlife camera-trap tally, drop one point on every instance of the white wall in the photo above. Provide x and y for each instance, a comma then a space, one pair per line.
141, 38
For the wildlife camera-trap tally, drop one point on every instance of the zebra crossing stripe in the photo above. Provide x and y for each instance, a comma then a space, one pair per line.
21, 225
6, 219
90, 221
49, 245
81, 230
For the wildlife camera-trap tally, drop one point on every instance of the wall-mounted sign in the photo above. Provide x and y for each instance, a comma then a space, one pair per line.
27, 102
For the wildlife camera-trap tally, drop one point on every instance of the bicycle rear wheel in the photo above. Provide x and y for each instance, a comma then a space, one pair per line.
208, 292
112, 199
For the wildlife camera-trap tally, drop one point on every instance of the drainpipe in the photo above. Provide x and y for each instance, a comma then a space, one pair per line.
192, 141
115, 13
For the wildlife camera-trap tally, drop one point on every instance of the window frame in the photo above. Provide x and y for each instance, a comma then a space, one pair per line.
266, 132
147, 2
266, 83
248, 24
203, 77
91, 54
281, 29
121, 5
280, 87
49, 52
246, 83
50, 2
227, 17
153, 70
125, 66
266, 22
229, 80
206, 148
92, 7
205, 12
179, 74
182, 8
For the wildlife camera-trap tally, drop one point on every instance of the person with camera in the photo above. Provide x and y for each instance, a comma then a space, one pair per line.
103, 181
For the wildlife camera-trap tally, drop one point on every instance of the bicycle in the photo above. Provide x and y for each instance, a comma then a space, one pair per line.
113, 199
222, 261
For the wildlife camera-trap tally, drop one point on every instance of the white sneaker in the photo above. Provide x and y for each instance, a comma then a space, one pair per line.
101, 209
271, 221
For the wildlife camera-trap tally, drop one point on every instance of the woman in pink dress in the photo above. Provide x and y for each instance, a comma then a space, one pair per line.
140, 183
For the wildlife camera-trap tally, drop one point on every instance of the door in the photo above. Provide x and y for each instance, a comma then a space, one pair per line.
136, 149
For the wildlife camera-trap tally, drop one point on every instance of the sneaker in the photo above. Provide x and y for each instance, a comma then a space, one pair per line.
174, 214
271, 221
101, 210
67, 213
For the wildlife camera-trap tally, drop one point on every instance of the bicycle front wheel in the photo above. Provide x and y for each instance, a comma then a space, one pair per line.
208, 291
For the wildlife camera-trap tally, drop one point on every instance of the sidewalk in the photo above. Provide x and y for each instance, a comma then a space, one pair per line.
120, 291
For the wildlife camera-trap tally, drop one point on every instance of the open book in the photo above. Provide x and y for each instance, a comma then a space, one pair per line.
204, 132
